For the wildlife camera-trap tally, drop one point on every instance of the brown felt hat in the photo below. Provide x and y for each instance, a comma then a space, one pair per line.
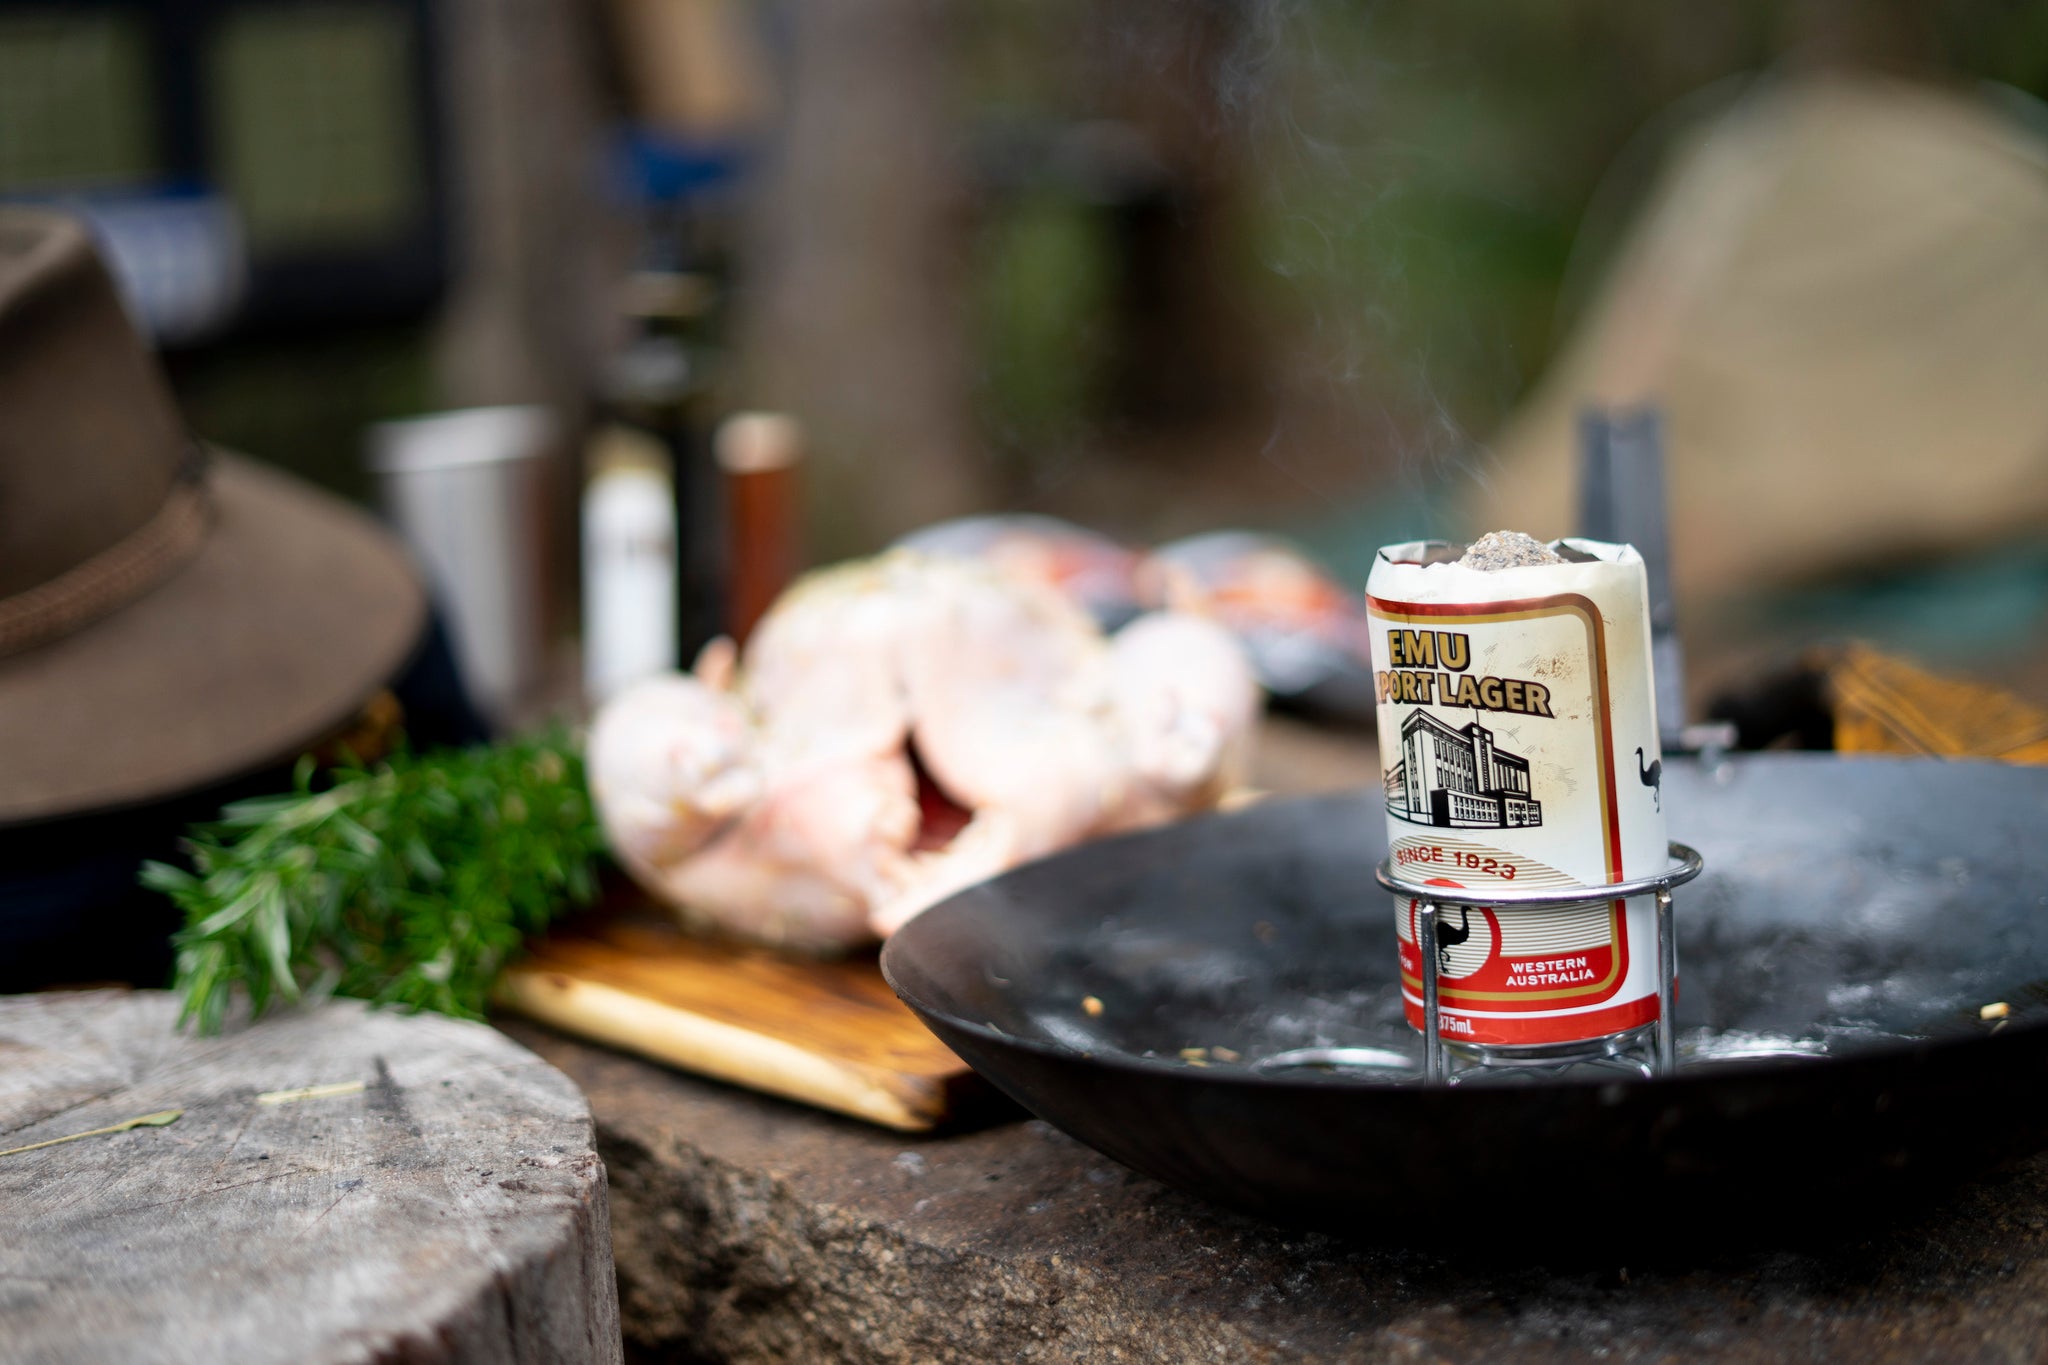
170, 616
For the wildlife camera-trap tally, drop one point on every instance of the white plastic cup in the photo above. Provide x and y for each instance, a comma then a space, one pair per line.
462, 489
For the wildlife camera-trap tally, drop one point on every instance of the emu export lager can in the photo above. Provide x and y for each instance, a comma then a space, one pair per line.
1518, 739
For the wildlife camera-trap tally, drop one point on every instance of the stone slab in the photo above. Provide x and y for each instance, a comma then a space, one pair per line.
749, 1229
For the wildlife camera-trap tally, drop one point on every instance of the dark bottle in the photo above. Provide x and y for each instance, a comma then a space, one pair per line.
663, 385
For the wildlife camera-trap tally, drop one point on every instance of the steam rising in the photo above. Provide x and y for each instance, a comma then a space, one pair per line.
1310, 91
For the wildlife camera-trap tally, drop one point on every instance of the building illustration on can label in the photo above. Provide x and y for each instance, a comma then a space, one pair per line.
1458, 777
1499, 742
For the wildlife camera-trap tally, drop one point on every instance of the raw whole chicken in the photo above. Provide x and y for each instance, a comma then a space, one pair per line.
900, 728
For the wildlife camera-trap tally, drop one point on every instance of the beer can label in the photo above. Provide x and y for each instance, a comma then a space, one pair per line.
1518, 743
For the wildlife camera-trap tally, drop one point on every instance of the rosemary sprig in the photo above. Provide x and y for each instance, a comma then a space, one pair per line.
409, 883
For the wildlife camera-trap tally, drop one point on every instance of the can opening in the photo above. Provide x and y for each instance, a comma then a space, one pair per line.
1497, 550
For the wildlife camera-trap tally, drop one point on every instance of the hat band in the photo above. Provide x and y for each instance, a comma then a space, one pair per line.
117, 575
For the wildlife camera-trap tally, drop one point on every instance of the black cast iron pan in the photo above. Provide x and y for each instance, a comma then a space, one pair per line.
1854, 919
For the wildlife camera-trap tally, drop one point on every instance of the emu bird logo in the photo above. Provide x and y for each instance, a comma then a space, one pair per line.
1448, 938
1652, 776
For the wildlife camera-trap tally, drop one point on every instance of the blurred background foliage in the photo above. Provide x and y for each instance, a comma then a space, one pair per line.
1410, 206
1199, 261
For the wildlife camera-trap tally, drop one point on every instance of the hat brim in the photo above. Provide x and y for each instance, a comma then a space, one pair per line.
292, 614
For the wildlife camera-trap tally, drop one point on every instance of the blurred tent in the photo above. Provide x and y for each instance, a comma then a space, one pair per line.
1838, 291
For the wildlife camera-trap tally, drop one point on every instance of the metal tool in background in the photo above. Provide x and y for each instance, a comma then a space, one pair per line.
1621, 499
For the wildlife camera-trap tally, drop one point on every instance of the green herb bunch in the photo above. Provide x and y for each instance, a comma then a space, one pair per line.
410, 882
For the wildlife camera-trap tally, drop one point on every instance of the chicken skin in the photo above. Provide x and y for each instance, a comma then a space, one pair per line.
899, 728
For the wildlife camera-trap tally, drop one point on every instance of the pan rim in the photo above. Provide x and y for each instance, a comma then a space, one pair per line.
1918, 1051
1893, 1052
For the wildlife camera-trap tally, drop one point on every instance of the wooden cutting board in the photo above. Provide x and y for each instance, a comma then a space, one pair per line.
830, 1033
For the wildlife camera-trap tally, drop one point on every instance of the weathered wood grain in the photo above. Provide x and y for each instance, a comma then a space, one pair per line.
453, 1209
828, 1033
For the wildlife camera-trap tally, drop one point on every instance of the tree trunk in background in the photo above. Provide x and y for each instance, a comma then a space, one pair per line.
1893, 36
1189, 353
525, 309
858, 251
533, 258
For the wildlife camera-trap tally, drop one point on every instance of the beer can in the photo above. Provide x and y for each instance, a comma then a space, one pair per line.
1518, 743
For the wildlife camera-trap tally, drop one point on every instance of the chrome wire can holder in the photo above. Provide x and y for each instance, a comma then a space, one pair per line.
1430, 898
